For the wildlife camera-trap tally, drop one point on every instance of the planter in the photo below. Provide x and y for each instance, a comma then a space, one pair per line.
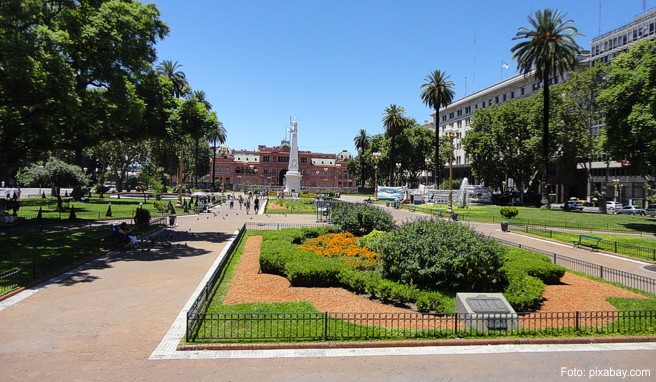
504, 226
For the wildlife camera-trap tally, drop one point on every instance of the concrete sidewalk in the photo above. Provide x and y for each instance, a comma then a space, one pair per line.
103, 320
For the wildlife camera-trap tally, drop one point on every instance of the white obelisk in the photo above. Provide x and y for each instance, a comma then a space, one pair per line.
293, 176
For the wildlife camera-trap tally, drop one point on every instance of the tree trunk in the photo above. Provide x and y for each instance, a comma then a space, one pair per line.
436, 174
545, 139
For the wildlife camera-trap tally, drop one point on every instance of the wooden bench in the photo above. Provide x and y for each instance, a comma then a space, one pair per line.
588, 241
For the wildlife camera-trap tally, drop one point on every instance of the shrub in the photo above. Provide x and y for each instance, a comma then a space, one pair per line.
430, 301
372, 239
361, 219
160, 206
142, 216
533, 264
524, 292
342, 246
311, 271
435, 254
353, 280
403, 294
509, 212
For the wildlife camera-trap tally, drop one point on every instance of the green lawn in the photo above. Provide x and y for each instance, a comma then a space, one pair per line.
291, 206
553, 218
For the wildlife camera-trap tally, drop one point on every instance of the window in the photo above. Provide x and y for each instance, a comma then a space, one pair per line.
460, 113
512, 95
521, 91
265, 158
451, 115
536, 86
283, 159
504, 98
468, 109
496, 99
304, 160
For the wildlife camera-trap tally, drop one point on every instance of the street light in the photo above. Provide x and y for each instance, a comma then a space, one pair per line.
398, 171
450, 135
616, 182
376, 156
428, 163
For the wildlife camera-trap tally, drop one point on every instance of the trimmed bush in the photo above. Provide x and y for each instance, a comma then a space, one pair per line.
372, 239
524, 292
430, 301
509, 212
435, 254
533, 264
311, 271
142, 216
361, 219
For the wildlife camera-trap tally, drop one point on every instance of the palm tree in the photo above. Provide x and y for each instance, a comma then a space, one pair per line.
201, 97
219, 135
171, 70
395, 122
438, 92
362, 143
548, 48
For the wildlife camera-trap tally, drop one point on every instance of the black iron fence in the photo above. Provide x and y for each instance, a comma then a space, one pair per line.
332, 326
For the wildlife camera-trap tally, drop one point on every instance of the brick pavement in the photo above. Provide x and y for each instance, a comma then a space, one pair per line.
104, 320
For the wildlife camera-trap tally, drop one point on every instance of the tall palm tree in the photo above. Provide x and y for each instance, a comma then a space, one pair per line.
548, 47
171, 70
362, 143
438, 92
217, 135
395, 122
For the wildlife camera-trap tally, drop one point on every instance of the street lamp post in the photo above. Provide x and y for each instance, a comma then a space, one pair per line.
376, 156
616, 182
428, 163
398, 171
450, 135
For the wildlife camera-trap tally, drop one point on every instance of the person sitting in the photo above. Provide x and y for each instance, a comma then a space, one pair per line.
123, 234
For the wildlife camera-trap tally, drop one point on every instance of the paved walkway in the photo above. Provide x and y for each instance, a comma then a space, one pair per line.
106, 320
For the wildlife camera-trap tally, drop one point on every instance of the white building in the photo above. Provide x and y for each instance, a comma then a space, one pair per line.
457, 116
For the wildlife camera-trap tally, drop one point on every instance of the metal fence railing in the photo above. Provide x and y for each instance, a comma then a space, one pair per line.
604, 245
333, 326
630, 280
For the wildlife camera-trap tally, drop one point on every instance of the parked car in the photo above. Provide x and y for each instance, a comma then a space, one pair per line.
573, 205
633, 210
651, 211
613, 207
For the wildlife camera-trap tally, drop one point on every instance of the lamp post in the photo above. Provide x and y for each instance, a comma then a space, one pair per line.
376, 156
428, 163
223, 151
616, 182
398, 171
450, 135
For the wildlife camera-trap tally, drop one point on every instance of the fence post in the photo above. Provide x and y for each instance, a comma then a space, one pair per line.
615, 246
601, 272
325, 326
455, 323
578, 317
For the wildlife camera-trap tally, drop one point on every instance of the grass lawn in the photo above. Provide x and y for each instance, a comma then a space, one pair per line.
95, 208
553, 218
291, 206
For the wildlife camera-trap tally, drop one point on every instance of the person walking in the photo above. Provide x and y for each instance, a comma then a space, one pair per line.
256, 205
248, 206
232, 202
241, 201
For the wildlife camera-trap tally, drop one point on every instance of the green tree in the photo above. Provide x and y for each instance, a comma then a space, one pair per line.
630, 101
437, 92
178, 78
55, 174
362, 144
395, 122
217, 135
548, 49
414, 145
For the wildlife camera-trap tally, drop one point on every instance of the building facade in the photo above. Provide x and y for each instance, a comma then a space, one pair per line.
620, 183
266, 168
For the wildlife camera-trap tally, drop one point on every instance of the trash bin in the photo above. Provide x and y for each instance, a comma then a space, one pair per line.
172, 220
504, 226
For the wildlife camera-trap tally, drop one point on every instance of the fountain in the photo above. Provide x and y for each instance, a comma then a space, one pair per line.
462, 196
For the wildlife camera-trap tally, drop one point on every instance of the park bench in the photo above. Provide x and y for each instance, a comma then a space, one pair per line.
588, 241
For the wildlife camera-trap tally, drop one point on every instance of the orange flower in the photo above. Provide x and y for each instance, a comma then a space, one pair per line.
344, 247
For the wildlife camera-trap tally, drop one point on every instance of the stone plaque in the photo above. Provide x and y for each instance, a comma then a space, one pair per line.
485, 304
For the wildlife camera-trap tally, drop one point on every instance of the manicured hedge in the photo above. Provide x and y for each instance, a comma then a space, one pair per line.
533, 264
361, 219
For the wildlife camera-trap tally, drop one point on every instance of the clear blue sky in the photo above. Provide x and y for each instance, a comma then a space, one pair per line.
336, 64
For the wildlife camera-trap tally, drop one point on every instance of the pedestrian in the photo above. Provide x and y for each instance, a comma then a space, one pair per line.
232, 203
241, 201
248, 206
256, 204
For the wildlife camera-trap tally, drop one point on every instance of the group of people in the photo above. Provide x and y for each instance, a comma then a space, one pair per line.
247, 202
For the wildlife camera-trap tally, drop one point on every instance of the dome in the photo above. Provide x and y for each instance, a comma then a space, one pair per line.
344, 155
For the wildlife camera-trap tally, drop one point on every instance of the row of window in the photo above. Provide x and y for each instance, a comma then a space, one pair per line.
271, 171
629, 36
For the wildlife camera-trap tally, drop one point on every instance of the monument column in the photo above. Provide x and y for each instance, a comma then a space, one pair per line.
293, 176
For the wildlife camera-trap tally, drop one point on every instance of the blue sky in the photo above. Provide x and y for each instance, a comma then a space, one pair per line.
336, 64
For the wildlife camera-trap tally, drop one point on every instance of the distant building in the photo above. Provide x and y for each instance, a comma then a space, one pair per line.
266, 167
607, 46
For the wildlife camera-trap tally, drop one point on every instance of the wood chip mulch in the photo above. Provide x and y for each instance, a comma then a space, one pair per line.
575, 293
